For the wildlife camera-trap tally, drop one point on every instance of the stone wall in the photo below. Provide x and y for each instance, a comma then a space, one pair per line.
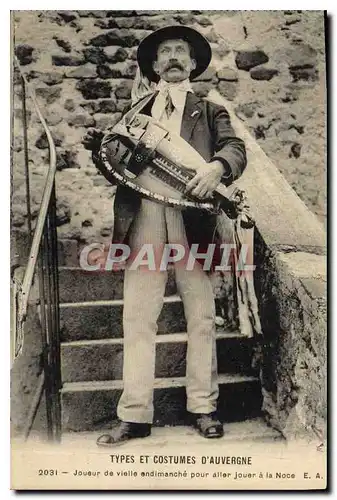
81, 65
290, 281
294, 376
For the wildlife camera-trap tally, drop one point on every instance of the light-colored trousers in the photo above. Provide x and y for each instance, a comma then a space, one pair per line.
143, 300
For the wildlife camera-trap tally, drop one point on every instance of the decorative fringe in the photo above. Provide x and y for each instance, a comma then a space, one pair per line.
239, 232
141, 87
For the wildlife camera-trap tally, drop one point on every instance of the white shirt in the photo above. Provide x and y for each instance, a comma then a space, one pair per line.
178, 92
172, 216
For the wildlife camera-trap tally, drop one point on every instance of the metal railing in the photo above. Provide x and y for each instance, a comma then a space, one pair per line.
43, 265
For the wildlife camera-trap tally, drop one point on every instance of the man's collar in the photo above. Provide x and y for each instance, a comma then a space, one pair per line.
184, 86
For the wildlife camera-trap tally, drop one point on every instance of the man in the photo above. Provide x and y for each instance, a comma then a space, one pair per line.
171, 57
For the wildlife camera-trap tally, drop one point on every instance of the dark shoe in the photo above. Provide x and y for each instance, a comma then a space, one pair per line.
208, 425
123, 431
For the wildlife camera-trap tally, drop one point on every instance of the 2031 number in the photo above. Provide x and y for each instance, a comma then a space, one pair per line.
47, 472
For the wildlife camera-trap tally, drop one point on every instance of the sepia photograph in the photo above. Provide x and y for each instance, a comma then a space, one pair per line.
168, 214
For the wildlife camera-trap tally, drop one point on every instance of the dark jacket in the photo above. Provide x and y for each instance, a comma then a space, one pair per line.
209, 131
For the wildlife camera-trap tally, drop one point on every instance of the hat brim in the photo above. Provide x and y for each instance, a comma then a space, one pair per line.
147, 50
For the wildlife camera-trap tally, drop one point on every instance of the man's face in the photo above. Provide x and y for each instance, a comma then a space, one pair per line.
174, 62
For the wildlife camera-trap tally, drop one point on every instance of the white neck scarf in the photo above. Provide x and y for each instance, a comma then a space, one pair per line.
177, 93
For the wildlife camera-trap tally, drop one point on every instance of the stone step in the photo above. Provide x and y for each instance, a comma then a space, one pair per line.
103, 359
183, 437
78, 285
103, 319
92, 405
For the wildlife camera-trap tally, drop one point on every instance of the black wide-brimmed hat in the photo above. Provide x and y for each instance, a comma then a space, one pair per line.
147, 50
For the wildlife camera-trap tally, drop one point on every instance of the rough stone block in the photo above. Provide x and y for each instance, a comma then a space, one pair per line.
104, 71
212, 36
295, 150
100, 106
303, 265
288, 136
121, 13
50, 94
24, 53
246, 110
81, 120
123, 105
75, 24
306, 74
53, 117
201, 89
148, 23
30, 75
68, 15
228, 89
115, 54
93, 13
204, 21
63, 60
146, 12
121, 37
64, 44
228, 74
106, 120
63, 212
247, 59
132, 53
94, 55
293, 20
315, 287
221, 49
206, 76
106, 106
69, 105
130, 23
263, 72
300, 55
90, 106
42, 142
66, 158
94, 89
105, 23
125, 69
123, 91
51, 78
185, 18
85, 71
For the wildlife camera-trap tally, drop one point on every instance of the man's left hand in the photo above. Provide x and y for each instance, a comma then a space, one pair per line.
206, 179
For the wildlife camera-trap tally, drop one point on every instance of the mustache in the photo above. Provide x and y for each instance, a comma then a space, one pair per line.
174, 64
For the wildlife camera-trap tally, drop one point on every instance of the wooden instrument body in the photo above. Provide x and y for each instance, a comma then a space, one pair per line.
167, 162
143, 155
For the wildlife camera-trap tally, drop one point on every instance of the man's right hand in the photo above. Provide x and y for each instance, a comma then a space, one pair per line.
92, 139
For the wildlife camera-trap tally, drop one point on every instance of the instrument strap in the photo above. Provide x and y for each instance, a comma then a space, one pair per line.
126, 119
145, 193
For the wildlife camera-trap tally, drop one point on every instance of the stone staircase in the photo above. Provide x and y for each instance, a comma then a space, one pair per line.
92, 356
